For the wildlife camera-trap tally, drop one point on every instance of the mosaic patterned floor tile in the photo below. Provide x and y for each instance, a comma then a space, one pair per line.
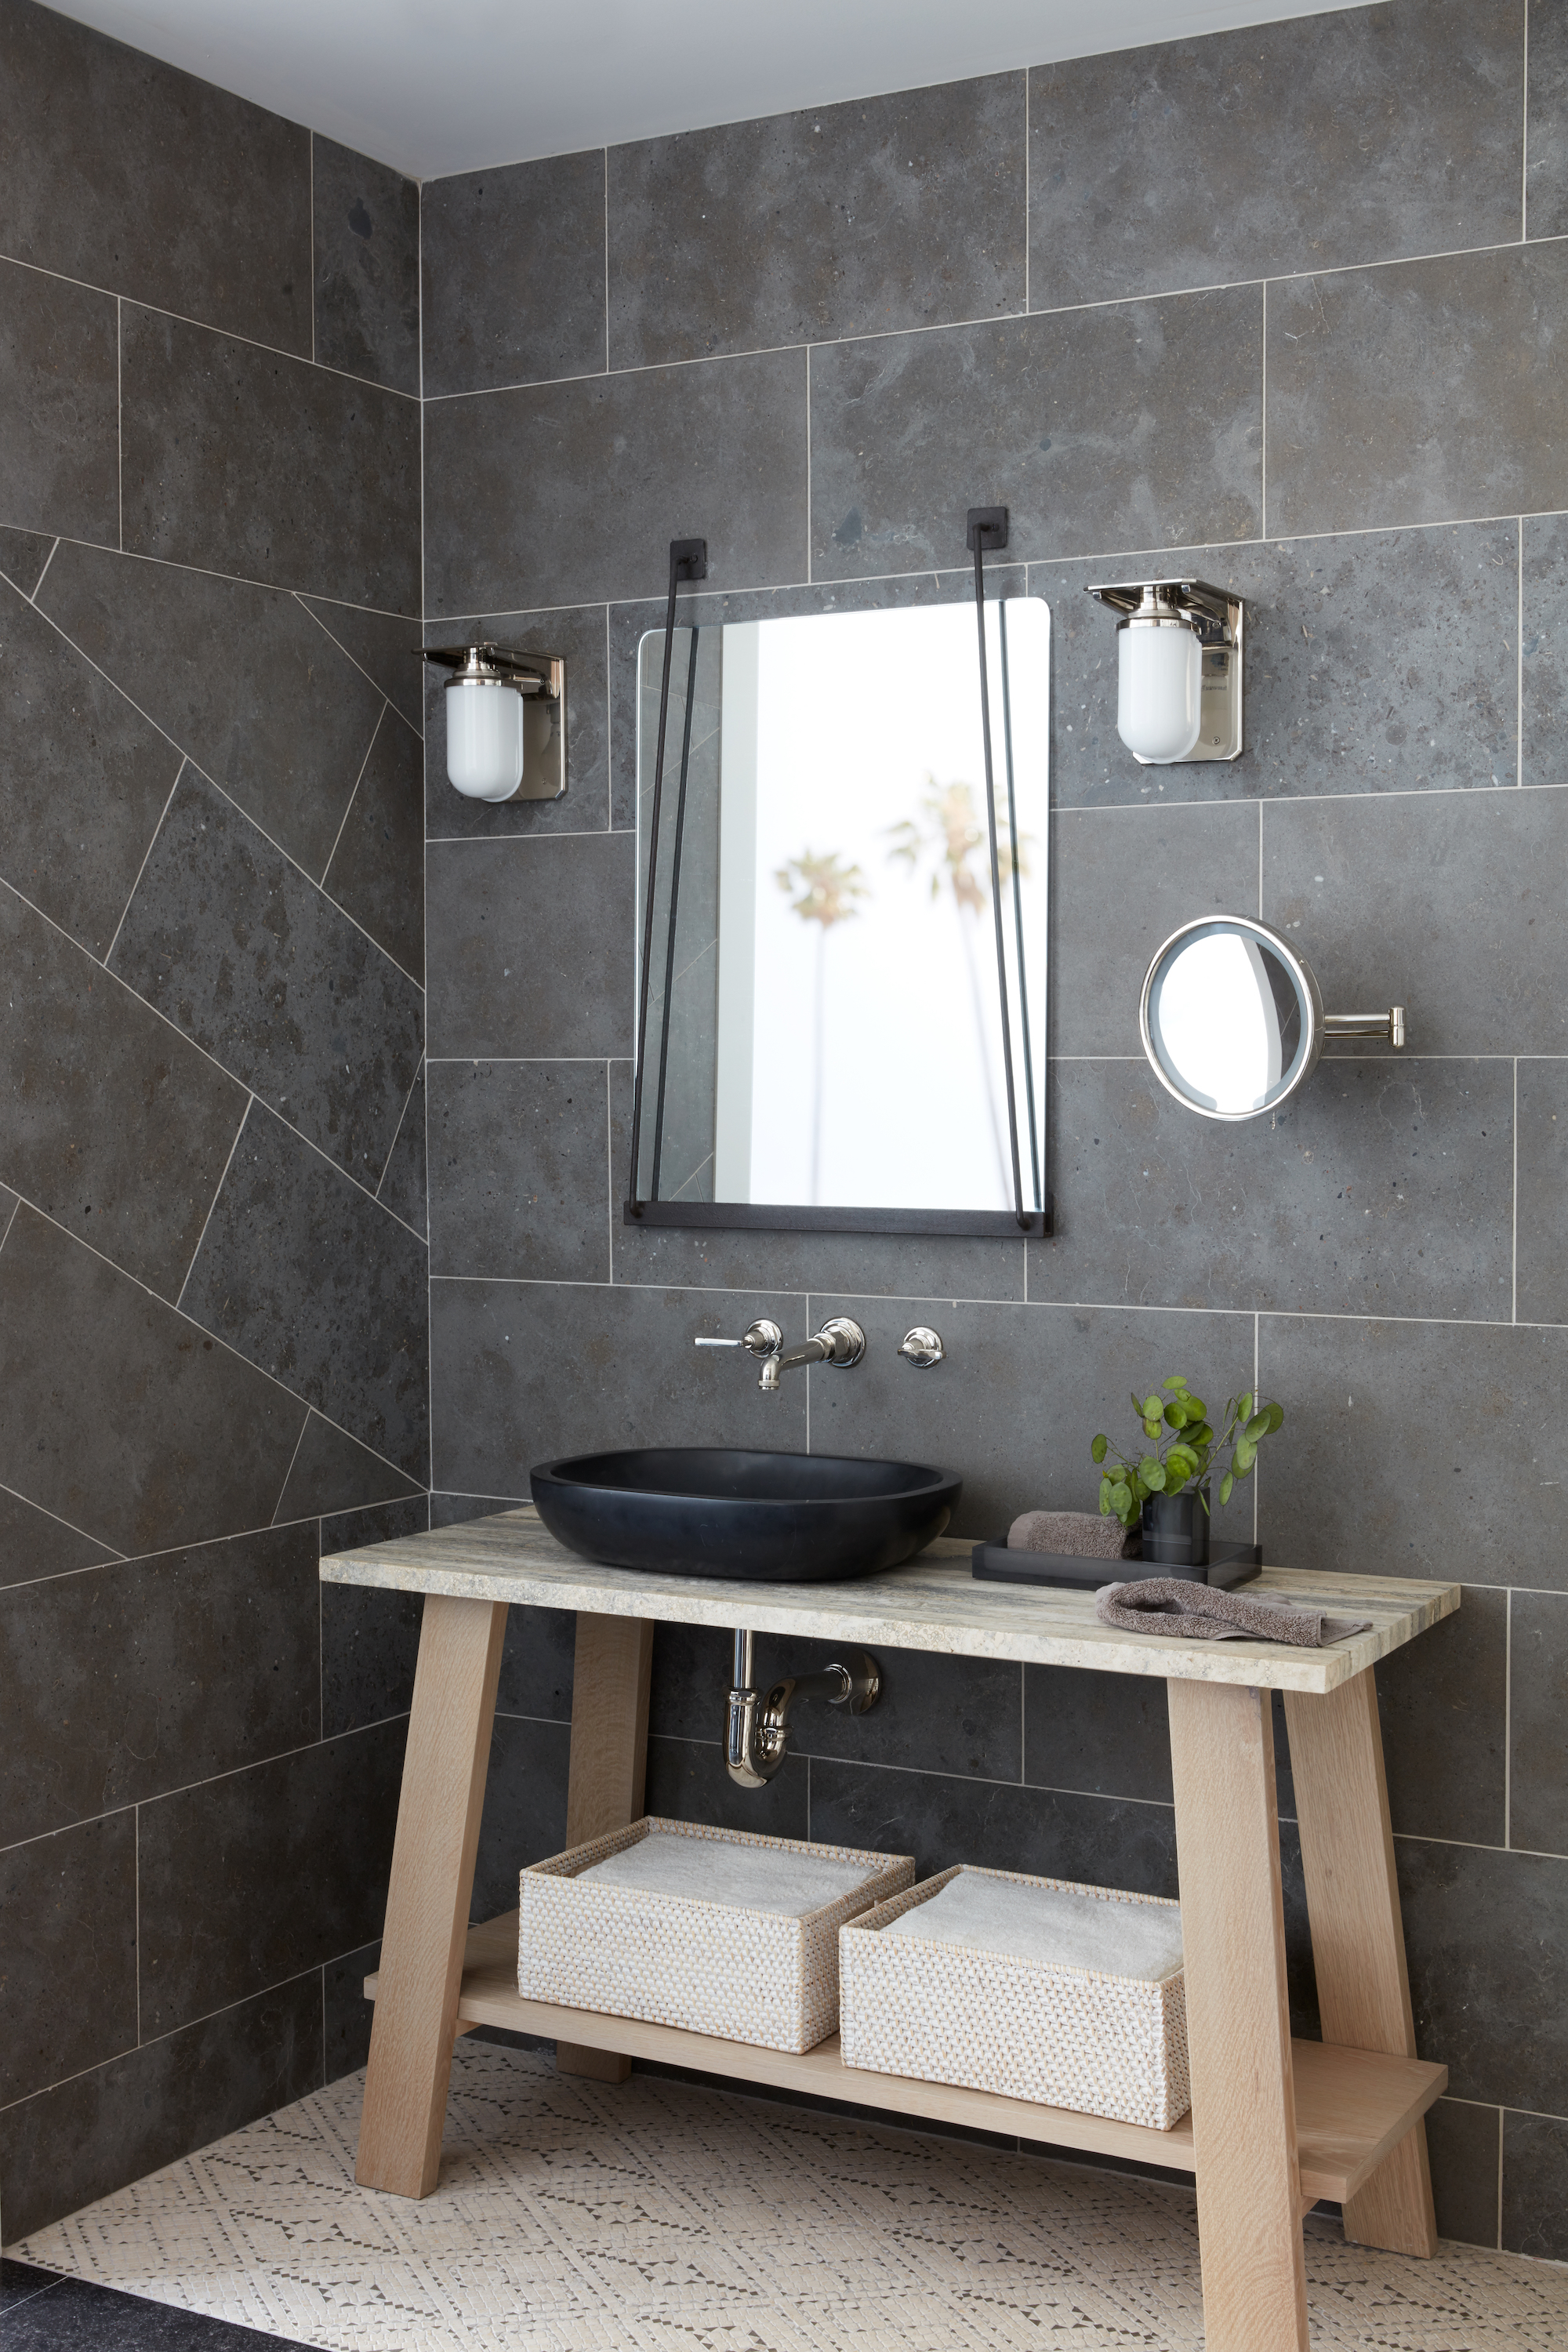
654, 2217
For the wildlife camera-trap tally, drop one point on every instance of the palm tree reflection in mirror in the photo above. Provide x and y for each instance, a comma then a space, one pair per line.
948, 833
828, 889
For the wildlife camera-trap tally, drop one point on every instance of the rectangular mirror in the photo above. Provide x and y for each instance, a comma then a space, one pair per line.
831, 1000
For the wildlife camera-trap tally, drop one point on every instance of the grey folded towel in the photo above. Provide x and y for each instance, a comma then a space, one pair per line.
1081, 1533
1201, 1613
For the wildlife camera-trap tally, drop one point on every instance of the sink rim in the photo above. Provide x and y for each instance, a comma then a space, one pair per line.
929, 1481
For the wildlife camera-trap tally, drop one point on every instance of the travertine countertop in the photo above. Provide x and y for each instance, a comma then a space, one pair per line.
932, 1605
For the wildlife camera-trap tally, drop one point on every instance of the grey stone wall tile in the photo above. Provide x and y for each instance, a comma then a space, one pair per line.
1544, 648
1418, 394
1005, 1409
1546, 128
531, 947
384, 647
1123, 880
1475, 1497
1361, 135
887, 213
942, 1819
456, 1510
514, 274
22, 555
1487, 1938
524, 1817
402, 1188
151, 181
1538, 1722
248, 957
959, 1716
249, 1880
1446, 903
538, 1654
116, 1415
240, 461
523, 1189
370, 1639
1463, 2148
68, 1909
86, 780
332, 1471
378, 869
34, 1546
1073, 422
1542, 1279
1535, 2186
146, 1675
1380, 661
1101, 1735
577, 637
347, 2014
59, 466
114, 1126
718, 452
511, 1386
365, 246
91, 2134
1384, 1188
1444, 1702
308, 1279
239, 677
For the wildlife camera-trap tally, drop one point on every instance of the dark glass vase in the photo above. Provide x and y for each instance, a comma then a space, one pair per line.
1176, 1531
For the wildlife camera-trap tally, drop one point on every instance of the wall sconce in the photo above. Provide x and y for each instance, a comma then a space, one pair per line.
1178, 646
506, 721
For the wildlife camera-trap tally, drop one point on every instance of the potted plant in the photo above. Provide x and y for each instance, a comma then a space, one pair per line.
1163, 1488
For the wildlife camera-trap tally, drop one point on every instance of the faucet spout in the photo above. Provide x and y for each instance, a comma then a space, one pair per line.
840, 1341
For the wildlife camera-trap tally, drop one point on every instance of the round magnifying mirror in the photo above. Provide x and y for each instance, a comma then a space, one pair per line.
1232, 1018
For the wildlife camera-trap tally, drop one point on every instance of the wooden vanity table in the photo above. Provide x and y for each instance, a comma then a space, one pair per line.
1274, 2125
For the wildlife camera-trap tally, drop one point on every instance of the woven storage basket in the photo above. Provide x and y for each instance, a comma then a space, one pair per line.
1065, 2037
712, 1967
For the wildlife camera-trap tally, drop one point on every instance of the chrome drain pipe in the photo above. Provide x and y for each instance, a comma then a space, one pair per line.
757, 1735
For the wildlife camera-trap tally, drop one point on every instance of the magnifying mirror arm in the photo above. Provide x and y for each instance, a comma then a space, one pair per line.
1389, 1027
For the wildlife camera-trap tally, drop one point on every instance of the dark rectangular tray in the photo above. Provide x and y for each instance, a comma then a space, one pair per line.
1229, 1565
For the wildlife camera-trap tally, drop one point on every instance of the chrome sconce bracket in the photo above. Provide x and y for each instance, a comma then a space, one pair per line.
757, 1732
541, 681
1218, 621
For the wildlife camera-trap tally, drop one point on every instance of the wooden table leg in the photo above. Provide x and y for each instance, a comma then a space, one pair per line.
1358, 1940
609, 1764
428, 1901
1238, 2019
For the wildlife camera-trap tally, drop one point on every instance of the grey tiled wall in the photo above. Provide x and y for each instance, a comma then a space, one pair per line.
213, 1281
1285, 304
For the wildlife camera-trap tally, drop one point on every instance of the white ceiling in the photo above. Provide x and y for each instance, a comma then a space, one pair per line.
438, 85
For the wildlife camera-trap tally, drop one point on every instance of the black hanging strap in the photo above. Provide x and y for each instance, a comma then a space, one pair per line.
674, 912
688, 560
987, 526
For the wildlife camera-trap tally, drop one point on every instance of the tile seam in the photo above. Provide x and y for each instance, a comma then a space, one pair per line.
182, 764
348, 809
301, 598
212, 1205
283, 1489
210, 572
386, 1163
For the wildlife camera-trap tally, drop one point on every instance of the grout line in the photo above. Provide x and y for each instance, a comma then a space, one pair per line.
311, 206
1260, 861
358, 778
324, 2026
119, 926
1508, 1727
282, 1490
392, 1146
605, 155
1028, 190
75, 1530
1524, 188
272, 587
10, 1217
1519, 663
119, 423
610, 1166
136, 1872
33, 592
302, 600
1500, 2111
212, 1205
485, 840
1263, 446
1514, 1293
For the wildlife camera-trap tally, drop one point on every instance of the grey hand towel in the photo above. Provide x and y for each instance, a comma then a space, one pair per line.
1201, 1613
1083, 1534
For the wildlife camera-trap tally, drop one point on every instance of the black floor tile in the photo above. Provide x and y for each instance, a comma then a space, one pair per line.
72, 2315
19, 2281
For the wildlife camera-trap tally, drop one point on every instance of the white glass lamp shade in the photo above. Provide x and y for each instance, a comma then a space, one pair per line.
1159, 690
484, 739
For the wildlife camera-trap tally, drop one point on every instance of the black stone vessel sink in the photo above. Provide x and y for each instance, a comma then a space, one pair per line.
784, 1518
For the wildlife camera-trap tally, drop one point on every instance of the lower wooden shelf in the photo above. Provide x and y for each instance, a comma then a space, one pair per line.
1352, 2105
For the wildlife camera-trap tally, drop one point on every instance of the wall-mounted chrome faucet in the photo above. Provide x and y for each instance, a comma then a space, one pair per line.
757, 1736
839, 1342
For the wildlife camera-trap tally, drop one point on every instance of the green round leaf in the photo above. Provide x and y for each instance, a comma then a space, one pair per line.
1226, 1487
1276, 1418
1175, 1382
1101, 1448
1153, 1476
1196, 1405
1152, 1407
1260, 1425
